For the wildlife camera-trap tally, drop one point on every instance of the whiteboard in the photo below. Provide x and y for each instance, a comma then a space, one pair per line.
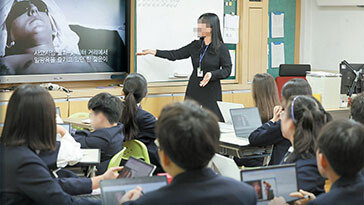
169, 25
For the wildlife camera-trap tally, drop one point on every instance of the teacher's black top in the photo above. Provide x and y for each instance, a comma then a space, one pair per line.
219, 64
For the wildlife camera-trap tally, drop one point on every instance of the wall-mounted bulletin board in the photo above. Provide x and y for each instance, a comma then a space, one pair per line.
288, 8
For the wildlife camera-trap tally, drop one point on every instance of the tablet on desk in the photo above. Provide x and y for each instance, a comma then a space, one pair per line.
272, 181
90, 156
113, 190
136, 168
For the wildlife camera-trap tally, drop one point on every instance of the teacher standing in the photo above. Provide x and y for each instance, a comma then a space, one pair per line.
210, 60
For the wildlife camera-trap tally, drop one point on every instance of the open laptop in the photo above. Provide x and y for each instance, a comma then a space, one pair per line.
245, 120
66, 126
272, 181
113, 190
225, 166
225, 110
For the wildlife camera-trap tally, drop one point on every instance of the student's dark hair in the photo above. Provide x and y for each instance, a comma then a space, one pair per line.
188, 134
309, 117
265, 95
342, 143
296, 86
109, 105
212, 21
30, 119
135, 89
357, 108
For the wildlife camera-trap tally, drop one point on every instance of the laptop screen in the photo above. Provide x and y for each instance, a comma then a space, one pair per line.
113, 190
245, 120
270, 182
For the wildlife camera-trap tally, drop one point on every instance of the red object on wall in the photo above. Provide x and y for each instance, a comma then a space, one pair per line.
280, 81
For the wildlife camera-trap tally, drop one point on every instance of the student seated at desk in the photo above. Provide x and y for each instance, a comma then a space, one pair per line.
138, 123
188, 137
302, 121
340, 157
265, 95
357, 108
357, 111
30, 128
270, 132
105, 114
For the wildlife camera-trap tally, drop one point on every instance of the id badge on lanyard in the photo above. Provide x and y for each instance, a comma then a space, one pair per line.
199, 69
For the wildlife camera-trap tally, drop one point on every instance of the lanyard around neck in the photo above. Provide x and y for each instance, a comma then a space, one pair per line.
203, 54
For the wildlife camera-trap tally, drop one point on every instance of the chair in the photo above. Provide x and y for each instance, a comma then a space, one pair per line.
116, 159
137, 149
79, 115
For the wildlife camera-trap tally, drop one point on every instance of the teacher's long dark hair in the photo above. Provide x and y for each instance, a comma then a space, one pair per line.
212, 21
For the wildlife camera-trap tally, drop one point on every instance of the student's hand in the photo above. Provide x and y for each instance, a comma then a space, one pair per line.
206, 79
132, 195
61, 130
277, 113
304, 196
147, 52
112, 173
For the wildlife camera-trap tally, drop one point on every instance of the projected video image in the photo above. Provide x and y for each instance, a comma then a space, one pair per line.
62, 36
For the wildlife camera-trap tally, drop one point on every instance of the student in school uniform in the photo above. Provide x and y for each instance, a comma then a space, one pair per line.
302, 121
357, 108
138, 123
270, 132
30, 127
265, 95
188, 137
357, 111
340, 157
105, 115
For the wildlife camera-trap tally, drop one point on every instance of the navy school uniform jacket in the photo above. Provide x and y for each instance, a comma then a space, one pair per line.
25, 179
308, 176
200, 187
346, 190
108, 140
70, 182
146, 124
270, 134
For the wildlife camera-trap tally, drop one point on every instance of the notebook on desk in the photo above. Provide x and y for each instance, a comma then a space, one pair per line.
225, 166
245, 121
90, 156
113, 190
272, 181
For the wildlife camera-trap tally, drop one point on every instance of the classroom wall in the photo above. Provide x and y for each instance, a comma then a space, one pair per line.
330, 35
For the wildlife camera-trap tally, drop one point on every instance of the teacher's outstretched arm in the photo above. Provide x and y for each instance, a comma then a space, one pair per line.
172, 55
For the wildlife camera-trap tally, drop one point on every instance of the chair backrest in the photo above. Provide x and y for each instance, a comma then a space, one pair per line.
137, 149
280, 81
116, 159
80, 115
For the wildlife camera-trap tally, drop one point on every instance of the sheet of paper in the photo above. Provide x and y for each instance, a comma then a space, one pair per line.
231, 29
277, 19
277, 54
231, 35
233, 60
231, 21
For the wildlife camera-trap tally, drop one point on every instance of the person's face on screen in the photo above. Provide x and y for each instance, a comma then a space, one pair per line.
203, 30
29, 22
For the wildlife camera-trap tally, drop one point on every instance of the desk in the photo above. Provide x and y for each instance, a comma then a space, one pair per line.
78, 123
239, 147
229, 143
339, 113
